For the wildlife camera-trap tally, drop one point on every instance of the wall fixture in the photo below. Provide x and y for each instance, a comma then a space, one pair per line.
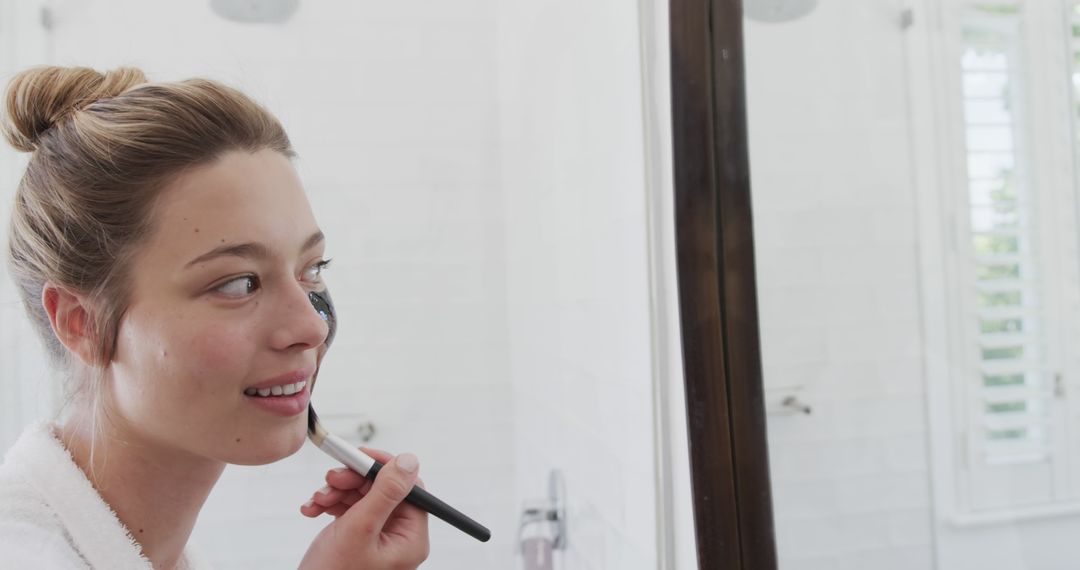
777, 10
255, 11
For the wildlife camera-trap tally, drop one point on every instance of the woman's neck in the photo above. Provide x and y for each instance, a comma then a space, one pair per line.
156, 491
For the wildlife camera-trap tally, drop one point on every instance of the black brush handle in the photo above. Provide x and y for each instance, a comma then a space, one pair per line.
430, 503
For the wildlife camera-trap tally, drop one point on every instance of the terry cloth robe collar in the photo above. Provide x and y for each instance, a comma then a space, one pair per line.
93, 529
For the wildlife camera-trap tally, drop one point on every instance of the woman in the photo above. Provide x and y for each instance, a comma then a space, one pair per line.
164, 248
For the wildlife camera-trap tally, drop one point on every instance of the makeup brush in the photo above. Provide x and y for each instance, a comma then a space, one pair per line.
346, 453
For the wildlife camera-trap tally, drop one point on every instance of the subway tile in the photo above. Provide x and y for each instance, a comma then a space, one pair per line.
831, 535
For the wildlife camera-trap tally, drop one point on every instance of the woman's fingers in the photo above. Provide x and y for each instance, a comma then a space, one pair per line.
345, 478
379, 455
384, 458
346, 487
337, 510
393, 483
328, 496
310, 509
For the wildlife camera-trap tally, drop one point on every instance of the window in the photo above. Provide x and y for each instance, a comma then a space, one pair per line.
1012, 277
1004, 323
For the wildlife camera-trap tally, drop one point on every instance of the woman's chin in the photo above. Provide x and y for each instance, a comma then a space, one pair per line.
268, 448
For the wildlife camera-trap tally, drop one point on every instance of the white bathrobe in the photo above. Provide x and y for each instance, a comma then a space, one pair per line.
52, 517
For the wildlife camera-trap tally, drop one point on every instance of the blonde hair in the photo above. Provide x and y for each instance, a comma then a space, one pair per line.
103, 146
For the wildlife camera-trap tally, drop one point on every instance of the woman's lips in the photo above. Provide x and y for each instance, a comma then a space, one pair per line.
283, 405
291, 377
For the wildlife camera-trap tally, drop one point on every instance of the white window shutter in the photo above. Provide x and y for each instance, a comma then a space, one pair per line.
1011, 449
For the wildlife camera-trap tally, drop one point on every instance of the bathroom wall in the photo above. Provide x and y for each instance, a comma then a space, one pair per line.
481, 172
392, 108
577, 243
835, 218
28, 390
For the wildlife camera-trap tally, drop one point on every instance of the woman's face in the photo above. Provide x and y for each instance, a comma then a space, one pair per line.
218, 305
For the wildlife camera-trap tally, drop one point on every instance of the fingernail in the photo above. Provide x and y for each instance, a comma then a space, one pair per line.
340, 470
309, 503
324, 490
408, 462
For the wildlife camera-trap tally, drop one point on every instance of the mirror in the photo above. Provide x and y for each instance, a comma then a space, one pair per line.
492, 180
915, 205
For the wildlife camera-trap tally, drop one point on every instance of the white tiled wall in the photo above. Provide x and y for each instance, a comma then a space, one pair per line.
478, 168
27, 389
834, 216
577, 285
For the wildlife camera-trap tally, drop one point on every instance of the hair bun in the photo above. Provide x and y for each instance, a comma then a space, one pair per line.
39, 97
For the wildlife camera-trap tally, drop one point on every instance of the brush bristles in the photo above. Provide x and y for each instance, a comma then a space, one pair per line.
315, 431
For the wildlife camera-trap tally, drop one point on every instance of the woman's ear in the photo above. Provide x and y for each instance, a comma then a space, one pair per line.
69, 315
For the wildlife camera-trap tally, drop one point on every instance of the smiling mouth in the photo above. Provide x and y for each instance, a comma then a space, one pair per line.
282, 390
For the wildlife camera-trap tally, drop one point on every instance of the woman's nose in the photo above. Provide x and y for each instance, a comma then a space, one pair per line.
298, 323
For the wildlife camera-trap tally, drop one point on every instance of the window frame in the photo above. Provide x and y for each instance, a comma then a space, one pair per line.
939, 165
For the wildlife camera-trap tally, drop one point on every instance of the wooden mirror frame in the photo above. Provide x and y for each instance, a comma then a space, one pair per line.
726, 426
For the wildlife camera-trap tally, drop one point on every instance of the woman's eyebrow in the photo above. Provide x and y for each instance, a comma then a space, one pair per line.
251, 249
313, 241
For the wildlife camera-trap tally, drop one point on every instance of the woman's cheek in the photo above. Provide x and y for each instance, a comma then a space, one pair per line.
221, 350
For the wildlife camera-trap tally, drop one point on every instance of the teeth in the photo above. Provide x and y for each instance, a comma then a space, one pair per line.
283, 390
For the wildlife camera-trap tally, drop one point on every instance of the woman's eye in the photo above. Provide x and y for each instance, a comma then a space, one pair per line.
239, 287
315, 271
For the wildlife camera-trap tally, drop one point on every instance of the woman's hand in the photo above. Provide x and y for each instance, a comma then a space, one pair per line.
373, 528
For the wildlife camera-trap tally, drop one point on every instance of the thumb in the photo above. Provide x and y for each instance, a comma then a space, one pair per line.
392, 484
